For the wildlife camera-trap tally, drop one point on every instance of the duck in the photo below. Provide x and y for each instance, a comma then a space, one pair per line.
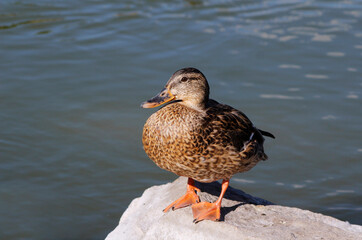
199, 138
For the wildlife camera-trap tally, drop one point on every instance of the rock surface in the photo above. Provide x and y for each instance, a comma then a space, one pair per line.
242, 217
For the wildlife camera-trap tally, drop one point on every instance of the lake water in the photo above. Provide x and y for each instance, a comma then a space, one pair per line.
73, 75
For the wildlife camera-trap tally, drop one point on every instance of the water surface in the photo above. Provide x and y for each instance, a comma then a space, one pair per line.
73, 74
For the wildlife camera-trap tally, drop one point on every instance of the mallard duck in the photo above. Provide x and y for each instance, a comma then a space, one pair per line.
199, 138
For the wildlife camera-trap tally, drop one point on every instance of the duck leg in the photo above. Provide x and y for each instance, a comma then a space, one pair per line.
188, 199
210, 211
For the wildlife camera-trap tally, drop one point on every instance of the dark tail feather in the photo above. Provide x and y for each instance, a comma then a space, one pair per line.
268, 134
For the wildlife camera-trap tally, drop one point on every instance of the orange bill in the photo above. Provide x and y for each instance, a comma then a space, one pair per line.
163, 97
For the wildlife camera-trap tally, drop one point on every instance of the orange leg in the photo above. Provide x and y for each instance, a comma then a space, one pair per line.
186, 200
210, 211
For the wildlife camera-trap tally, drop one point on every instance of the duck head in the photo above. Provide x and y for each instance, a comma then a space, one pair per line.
188, 86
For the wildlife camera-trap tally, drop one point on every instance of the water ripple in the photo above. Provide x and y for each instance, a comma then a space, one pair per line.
282, 97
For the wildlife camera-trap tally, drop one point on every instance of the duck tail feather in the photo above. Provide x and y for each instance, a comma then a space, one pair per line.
267, 134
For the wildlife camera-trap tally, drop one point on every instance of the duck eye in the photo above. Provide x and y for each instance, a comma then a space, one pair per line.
184, 79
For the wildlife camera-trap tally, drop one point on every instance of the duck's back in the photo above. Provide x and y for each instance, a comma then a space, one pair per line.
206, 145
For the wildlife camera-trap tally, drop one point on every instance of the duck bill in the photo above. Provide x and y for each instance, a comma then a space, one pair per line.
163, 97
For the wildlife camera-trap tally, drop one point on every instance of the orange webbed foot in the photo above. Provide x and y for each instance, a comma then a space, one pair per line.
186, 200
210, 211
206, 211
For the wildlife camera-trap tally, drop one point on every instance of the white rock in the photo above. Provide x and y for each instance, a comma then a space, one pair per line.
242, 217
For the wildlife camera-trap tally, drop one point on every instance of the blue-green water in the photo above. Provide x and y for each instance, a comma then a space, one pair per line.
73, 74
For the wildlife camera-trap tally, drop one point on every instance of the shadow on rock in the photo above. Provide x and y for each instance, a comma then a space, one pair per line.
211, 191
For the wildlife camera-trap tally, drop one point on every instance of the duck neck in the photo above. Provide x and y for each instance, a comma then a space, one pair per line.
197, 105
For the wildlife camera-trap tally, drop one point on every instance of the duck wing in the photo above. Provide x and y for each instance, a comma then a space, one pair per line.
229, 126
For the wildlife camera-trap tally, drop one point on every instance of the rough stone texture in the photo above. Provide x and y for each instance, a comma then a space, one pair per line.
242, 217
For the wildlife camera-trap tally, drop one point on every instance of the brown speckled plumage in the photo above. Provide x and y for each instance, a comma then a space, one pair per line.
199, 138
